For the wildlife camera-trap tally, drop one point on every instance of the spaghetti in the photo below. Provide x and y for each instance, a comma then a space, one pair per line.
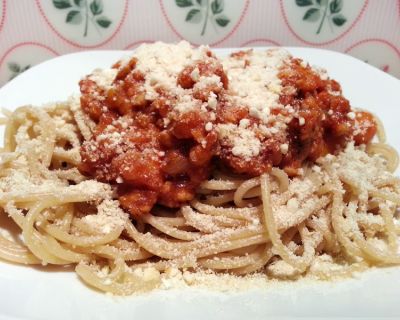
331, 219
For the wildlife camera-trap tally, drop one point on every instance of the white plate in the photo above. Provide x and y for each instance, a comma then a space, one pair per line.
46, 293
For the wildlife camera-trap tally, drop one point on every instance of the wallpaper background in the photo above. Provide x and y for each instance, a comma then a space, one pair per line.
32, 31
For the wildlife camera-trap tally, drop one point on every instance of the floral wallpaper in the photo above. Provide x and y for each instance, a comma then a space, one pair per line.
32, 31
84, 13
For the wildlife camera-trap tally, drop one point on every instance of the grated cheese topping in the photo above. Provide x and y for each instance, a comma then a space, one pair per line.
349, 163
244, 142
254, 84
104, 77
161, 64
254, 81
108, 218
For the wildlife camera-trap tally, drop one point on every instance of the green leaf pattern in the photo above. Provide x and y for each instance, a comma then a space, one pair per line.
336, 6
103, 22
217, 6
201, 2
79, 3
321, 11
204, 12
339, 20
194, 16
74, 17
184, 3
222, 20
89, 12
96, 7
304, 3
312, 15
322, 2
62, 4
16, 69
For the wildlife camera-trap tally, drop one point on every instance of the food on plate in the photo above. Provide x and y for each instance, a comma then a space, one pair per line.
175, 162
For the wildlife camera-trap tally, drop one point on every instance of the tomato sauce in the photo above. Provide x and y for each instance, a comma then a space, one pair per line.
328, 121
154, 161
150, 163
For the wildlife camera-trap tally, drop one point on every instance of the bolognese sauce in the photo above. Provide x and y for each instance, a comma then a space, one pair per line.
152, 137
171, 114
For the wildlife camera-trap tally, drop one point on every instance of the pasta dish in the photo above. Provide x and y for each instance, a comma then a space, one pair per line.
177, 162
